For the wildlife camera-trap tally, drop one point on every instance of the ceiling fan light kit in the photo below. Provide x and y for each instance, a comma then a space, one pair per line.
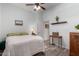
37, 6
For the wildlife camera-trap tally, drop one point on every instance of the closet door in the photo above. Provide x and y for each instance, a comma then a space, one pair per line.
46, 30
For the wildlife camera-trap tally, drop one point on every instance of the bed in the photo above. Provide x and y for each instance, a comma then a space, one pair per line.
25, 45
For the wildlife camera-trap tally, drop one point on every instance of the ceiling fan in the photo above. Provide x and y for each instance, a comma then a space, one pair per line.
37, 6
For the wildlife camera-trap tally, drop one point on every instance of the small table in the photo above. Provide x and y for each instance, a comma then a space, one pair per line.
59, 39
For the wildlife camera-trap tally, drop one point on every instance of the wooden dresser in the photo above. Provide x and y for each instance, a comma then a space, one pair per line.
74, 43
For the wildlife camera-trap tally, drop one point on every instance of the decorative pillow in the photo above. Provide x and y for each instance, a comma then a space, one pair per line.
17, 34
23, 33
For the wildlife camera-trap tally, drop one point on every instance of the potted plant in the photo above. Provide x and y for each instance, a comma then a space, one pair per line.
77, 27
57, 18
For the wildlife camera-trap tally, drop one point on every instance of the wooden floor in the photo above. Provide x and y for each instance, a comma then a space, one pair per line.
52, 50
56, 51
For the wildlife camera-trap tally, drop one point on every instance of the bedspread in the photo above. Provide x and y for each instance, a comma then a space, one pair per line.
26, 45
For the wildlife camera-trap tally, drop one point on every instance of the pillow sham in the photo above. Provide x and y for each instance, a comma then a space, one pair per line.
17, 34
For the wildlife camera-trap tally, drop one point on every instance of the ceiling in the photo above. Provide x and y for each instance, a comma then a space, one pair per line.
30, 8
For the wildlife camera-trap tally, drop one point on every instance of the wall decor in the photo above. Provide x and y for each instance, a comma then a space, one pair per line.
46, 25
58, 22
62, 22
19, 22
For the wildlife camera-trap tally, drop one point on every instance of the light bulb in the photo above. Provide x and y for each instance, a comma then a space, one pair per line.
36, 7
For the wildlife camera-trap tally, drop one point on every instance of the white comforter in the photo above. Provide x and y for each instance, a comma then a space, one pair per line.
26, 45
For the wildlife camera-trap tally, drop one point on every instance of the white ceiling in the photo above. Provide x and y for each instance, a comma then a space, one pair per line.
30, 8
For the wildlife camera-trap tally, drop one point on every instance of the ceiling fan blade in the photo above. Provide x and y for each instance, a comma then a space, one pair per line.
36, 4
42, 3
43, 8
29, 4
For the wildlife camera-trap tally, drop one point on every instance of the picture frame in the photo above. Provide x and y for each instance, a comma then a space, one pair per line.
46, 25
19, 22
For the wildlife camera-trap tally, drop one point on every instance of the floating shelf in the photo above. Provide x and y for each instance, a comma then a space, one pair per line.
59, 23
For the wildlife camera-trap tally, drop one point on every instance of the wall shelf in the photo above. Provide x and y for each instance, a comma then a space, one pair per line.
59, 23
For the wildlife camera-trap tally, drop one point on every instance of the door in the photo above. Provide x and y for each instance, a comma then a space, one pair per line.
46, 30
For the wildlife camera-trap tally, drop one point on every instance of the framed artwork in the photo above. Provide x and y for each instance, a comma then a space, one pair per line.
46, 25
19, 22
